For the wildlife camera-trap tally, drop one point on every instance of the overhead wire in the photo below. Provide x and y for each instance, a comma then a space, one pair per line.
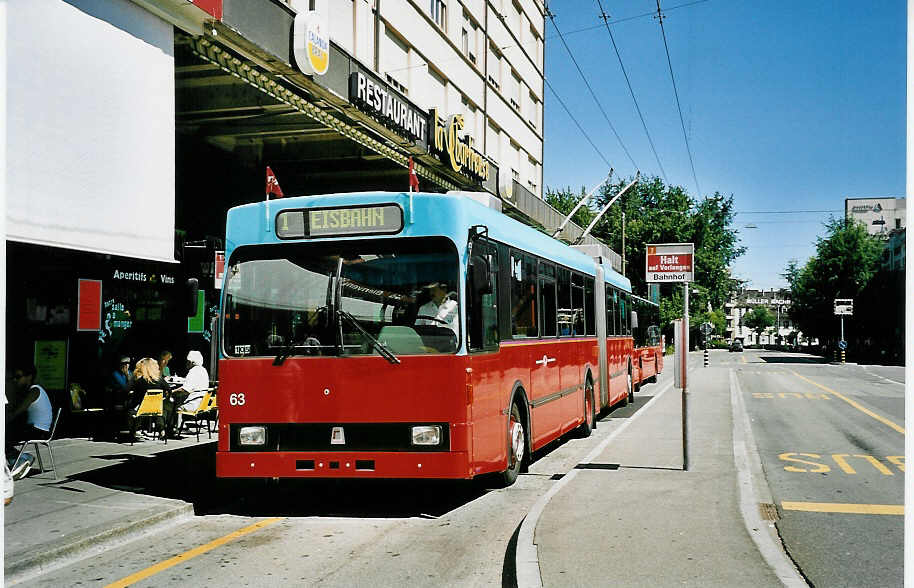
628, 18
580, 128
605, 18
669, 61
590, 88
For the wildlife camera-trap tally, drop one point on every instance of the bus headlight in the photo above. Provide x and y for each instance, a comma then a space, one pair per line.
252, 435
426, 435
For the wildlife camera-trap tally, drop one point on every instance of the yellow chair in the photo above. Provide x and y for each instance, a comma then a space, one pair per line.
205, 405
151, 406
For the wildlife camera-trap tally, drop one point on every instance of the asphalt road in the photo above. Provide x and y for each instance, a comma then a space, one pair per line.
831, 439
374, 533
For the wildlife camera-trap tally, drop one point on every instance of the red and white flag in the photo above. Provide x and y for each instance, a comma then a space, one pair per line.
273, 184
413, 178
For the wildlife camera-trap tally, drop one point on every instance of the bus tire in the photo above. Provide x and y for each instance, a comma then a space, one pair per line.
517, 446
590, 418
656, 372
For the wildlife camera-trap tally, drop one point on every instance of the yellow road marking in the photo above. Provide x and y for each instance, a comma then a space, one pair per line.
845, 508
155, 569
855, 404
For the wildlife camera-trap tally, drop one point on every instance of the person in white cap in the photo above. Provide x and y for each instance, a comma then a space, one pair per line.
191, 392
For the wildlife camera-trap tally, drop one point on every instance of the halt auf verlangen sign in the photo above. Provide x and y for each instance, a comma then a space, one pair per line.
670, 262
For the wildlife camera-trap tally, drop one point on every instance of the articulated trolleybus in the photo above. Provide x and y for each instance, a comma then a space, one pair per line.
393, 335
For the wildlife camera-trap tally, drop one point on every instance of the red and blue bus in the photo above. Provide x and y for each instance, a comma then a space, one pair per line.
395, 335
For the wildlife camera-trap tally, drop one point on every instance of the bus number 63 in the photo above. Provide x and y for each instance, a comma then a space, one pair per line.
236, 399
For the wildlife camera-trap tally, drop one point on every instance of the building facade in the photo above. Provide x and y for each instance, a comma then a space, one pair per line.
133, 132
880, 215
777, 302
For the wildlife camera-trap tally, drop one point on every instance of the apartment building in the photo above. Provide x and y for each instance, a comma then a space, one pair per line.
482, 59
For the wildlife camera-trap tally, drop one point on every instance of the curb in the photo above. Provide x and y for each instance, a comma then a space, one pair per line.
26, 565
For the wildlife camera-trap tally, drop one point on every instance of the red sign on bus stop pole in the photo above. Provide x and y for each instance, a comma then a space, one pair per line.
675, 263
670, 262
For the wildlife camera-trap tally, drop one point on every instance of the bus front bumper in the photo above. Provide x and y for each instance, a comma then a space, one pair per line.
295, 464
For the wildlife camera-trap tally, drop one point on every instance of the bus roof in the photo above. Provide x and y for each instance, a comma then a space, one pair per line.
449, 215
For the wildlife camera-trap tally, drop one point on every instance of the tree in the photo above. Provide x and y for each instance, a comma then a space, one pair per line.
758, 319
845, 262
657, 213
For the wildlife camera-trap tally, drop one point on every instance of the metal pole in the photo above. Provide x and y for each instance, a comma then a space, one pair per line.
605, 208
685, 404
623, 243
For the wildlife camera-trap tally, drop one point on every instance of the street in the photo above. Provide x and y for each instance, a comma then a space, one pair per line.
831, 439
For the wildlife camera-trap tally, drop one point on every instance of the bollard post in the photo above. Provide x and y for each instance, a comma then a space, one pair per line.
707, 358
842, 356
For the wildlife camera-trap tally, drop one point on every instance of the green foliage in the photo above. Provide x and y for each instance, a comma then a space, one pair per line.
657, 213
845, 262
758, 319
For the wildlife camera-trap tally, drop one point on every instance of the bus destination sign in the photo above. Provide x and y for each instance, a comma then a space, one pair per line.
384, 219
670, 262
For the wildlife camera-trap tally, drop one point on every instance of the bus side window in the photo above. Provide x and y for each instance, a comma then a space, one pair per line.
577, 303
482, 298
523, 295
563, 304
623, 314
547, 299
589, 308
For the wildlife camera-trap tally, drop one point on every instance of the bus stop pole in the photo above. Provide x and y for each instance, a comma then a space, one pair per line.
685, 366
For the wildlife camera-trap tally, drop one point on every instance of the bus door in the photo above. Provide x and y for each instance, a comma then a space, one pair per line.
486, 394
548, 358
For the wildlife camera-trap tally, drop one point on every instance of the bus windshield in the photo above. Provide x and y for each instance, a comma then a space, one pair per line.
342, 298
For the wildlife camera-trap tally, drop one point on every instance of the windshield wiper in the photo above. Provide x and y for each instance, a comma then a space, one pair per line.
382, 349
285, 353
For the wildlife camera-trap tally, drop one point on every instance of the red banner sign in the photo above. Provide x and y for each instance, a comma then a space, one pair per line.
90, 305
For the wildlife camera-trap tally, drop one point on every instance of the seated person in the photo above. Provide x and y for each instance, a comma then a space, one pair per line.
191, 392
121, 383
441, 310
29, 415
147, 377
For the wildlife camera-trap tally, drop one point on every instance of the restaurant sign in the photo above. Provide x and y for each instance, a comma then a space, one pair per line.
376, 98
670, 262
457, 151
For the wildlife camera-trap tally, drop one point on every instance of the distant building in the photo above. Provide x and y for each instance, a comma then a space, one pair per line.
744, 300
893, 255
880, 215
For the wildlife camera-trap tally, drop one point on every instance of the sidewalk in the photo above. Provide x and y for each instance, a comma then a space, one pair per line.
649, 523
105, 494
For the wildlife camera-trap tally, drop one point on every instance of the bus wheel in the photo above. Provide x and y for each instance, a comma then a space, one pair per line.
631, 389
517, 446
656, 372
590, 419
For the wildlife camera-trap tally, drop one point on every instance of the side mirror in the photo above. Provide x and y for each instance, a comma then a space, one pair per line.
480, 275
191, 296
634, 319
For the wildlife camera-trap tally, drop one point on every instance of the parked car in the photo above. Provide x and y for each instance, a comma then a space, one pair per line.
736, 345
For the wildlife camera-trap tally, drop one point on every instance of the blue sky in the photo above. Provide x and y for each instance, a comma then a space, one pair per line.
788, 106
